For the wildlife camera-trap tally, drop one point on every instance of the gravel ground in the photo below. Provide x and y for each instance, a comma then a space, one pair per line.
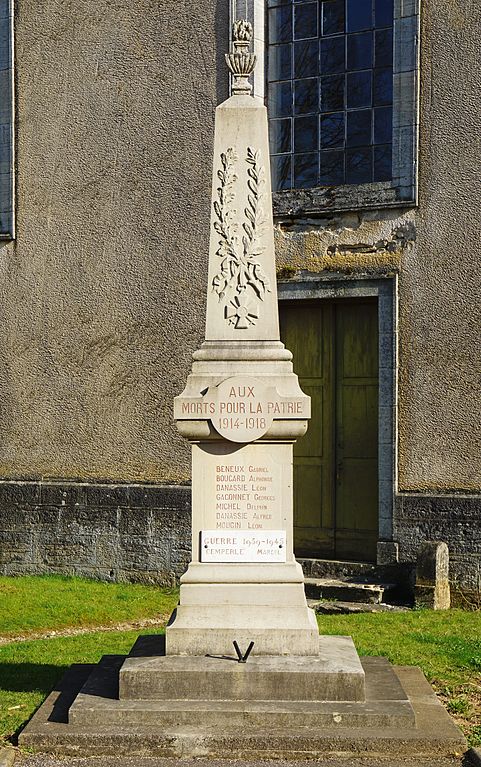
39, 760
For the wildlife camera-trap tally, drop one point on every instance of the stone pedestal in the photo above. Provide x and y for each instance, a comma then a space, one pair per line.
333, 674
243, 495
277, 708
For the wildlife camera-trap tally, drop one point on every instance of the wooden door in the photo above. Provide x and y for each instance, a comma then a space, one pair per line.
335, 348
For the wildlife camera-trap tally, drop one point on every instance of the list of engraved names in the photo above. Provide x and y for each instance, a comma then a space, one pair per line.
246, 495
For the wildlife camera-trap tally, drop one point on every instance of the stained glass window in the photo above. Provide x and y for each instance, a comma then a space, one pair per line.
330, 91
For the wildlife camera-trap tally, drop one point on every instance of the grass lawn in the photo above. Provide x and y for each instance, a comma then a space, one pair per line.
39, 603
446, 645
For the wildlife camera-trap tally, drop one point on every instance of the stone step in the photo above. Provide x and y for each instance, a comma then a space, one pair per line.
335, 674
433, 737
384, 704
352, 608
229, 714
399, 575
336, 568
346, 590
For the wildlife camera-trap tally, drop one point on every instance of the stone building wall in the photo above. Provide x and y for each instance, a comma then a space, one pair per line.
136, 533
433, 250
102, 292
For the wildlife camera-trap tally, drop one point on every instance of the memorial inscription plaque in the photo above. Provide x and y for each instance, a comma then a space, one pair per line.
243, 546
240, 488
242, 408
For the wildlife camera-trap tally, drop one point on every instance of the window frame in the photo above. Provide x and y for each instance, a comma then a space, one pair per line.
402, 190
7, 135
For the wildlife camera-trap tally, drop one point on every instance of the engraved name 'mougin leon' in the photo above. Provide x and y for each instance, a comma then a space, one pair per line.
240, 282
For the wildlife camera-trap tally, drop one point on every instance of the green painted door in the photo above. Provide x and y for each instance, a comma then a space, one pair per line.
335, 348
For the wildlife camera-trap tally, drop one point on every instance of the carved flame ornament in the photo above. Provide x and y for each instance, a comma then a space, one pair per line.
240, 282
240, 62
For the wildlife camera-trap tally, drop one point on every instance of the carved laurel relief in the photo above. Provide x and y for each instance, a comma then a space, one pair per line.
240, 282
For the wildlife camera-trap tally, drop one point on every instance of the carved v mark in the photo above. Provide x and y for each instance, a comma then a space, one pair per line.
242, 658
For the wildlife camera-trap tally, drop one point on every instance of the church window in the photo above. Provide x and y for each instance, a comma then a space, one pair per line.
341, 86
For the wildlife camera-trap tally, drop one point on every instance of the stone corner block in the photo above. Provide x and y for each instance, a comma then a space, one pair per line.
432, 588
387, 552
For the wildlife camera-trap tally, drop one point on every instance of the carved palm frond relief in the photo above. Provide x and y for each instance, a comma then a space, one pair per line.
240, 272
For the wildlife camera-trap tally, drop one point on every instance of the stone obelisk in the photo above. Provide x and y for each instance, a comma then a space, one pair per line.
242, 409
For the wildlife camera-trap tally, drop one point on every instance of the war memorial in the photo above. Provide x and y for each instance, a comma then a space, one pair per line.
242, 671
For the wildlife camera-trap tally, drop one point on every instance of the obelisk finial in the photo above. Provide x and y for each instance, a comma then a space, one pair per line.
241, 63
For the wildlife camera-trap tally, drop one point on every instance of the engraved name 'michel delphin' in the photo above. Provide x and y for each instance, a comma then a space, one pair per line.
240, 282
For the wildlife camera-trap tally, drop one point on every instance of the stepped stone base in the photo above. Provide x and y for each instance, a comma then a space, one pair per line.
399, 715
334, 674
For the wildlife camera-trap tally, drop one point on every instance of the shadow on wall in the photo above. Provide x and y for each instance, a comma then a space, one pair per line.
222, 36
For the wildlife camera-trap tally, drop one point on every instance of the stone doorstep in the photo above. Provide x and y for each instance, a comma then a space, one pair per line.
352, 608
344, 590
336, 568
435, 735
334, 674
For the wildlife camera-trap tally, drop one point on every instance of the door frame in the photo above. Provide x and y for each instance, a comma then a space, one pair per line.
315, 287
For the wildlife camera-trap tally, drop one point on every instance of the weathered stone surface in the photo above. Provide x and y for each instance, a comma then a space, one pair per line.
31, 510
45, 760
352, 608
435, 735
386, 703
7, 756
453, 519
387, 552
432, 576
347, 590
334, 674
139, 533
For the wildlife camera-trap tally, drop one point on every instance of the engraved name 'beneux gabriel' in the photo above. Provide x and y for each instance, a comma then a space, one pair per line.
245, 495
242, 409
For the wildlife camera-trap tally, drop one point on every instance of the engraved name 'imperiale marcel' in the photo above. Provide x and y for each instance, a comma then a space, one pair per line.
240, 282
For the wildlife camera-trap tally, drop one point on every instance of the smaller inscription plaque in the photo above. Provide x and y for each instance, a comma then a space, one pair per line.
243, 546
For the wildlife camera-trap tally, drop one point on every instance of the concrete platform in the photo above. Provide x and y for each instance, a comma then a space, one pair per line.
248, 735
335, 674
386, 706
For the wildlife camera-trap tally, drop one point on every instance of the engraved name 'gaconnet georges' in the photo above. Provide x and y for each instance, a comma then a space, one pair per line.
240, 282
